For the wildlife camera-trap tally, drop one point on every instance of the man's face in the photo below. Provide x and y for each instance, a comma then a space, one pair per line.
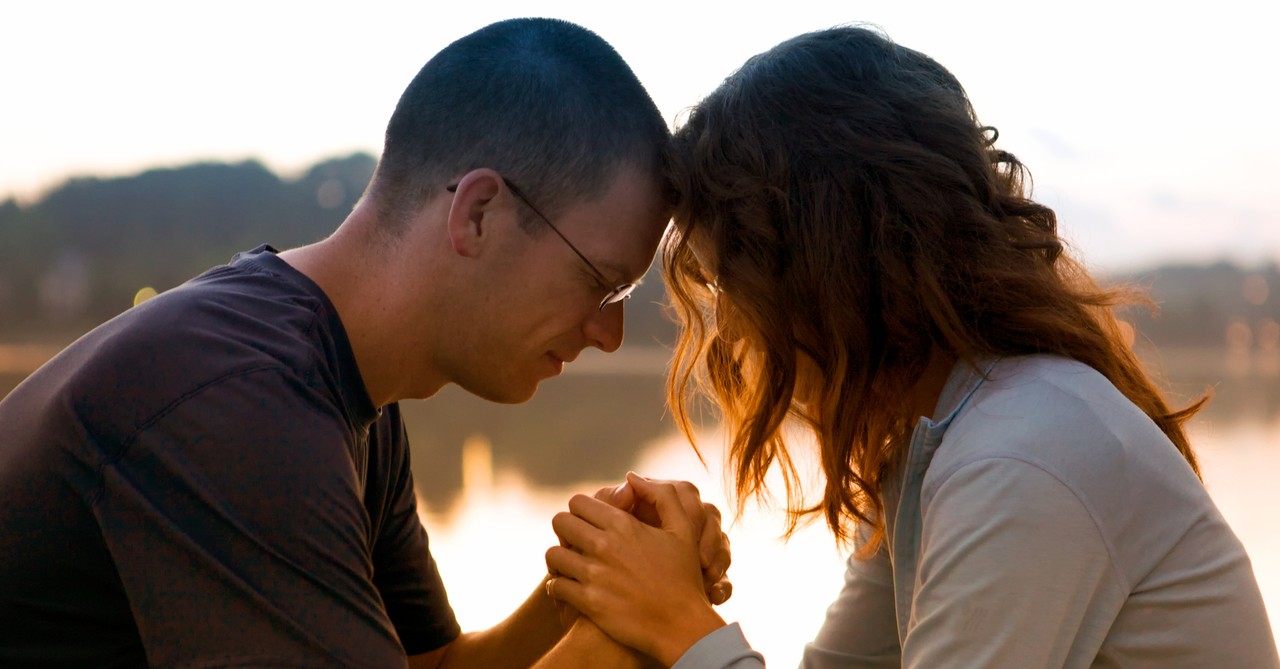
543, 306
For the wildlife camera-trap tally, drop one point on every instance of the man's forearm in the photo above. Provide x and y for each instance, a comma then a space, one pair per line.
533, 636
586, 646
516, 642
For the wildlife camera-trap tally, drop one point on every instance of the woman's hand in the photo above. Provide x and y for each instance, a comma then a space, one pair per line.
714, 555
643, 585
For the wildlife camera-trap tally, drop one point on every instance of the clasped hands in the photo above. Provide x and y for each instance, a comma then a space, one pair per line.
644, 561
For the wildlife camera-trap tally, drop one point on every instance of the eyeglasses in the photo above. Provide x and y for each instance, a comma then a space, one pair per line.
617, 294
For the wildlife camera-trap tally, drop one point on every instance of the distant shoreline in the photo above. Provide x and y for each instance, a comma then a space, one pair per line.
23, 359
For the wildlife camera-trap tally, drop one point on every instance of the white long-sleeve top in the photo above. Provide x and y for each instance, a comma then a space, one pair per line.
1039, 519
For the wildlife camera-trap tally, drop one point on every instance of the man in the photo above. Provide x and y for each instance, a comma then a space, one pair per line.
220, 477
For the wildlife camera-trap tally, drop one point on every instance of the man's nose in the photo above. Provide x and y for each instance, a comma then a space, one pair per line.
604, 327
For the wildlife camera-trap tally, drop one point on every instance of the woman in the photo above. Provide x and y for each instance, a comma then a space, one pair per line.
851, 251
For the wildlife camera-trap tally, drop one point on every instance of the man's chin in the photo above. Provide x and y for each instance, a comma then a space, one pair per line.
507, 394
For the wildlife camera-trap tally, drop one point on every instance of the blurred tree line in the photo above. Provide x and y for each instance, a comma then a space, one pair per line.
1218, 305
80, 254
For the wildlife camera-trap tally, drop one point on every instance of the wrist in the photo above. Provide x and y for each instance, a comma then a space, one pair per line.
688, 630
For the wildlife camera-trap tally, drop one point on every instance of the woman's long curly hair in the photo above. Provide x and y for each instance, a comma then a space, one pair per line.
851, 215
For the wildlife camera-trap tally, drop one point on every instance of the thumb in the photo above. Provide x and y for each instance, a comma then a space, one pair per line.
624, 497
665, 501
620, 496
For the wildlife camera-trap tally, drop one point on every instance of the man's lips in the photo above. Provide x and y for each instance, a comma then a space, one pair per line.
563, 357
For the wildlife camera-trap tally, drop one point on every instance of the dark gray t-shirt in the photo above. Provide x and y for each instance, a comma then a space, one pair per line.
203, 481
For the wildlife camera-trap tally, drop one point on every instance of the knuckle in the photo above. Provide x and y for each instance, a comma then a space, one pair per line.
711, 510
591, 602
602, 546
593, 546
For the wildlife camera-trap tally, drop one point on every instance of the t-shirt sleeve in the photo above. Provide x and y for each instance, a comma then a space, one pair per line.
237, 527
1013, 572
404, 571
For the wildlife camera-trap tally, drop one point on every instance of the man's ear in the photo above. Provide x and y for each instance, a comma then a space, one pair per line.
472, 211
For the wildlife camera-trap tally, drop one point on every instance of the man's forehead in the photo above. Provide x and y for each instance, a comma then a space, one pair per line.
624, 225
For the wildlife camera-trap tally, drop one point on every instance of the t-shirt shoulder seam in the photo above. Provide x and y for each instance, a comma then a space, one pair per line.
143, 426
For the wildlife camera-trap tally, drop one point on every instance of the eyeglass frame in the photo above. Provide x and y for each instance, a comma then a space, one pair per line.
617, 294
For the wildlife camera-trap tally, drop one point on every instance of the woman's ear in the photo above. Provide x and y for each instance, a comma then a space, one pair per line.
472, 210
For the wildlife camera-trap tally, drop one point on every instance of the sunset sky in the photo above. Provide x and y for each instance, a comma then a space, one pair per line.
1149, 126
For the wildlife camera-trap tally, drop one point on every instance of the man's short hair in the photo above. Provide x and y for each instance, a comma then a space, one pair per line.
547, 103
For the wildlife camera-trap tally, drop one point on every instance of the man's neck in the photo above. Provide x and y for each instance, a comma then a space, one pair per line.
360, 280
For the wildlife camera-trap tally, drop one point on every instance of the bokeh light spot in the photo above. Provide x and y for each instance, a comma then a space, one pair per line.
143, 295
1255, 289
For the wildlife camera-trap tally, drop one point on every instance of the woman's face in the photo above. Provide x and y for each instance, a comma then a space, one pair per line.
725, 325
808, 386
701, 248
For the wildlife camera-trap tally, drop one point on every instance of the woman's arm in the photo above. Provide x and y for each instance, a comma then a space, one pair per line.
1013, 572
860, 629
